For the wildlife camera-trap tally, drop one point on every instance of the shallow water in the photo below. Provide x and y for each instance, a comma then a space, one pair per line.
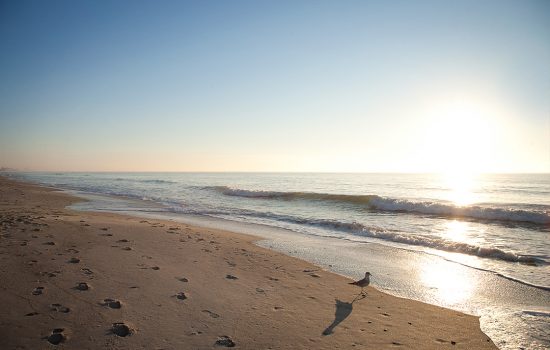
478, 245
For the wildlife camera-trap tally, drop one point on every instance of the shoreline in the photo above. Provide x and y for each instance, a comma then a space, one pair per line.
232, 287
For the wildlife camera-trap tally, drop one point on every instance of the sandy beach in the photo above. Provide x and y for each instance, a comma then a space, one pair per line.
83, 280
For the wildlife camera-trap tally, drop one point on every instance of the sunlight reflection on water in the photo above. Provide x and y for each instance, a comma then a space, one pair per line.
461, 186
450, 283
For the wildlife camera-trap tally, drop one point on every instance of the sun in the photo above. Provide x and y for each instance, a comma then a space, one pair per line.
458, 137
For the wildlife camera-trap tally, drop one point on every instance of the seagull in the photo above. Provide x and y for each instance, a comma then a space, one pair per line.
362, 283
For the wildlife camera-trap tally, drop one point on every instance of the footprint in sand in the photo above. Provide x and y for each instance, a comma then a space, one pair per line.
112, 303
123, 241
32, 314
74, 260
120, 329
49, 243
87, 271
82, 286
231, 277
181, 296
57, 336
59, 308
50, 274
183, 279
156, 268
104, 228
37, 290
224, 340
211, 314
127, 248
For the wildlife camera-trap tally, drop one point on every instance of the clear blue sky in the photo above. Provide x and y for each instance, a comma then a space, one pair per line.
275, 85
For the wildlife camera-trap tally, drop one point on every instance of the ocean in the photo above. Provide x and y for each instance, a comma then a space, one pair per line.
478, 244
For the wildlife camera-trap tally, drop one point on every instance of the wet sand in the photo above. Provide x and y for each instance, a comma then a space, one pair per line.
85, 280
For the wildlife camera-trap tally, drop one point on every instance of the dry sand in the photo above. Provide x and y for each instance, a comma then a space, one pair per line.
106, 281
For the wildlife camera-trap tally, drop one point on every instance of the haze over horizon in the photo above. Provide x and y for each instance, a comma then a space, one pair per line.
348, 86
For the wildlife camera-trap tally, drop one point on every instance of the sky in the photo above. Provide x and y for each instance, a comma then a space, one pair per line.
330, 86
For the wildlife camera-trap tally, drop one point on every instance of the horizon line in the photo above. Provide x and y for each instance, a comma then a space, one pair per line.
267, 172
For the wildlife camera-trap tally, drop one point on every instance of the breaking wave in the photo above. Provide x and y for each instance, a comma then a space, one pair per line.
374, 202
361, 230
358, 229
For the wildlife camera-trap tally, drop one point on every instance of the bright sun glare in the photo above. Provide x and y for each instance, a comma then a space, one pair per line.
461, 187
459, 137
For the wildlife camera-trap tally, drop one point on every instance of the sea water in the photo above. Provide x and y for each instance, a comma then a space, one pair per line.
478, 244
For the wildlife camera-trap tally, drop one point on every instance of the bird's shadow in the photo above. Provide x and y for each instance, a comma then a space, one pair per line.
343, 310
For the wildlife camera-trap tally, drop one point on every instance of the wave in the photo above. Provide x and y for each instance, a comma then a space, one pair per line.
423, 241
536, 313
151, 181
361, 230
374, 202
